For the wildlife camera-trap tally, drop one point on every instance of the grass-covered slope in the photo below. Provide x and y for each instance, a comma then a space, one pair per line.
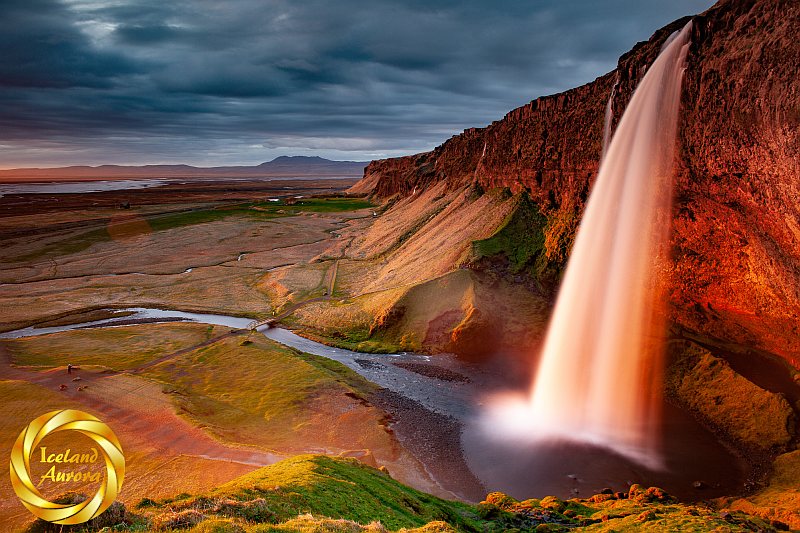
253, 391
323, 486
527, 242
316, 493
116, 348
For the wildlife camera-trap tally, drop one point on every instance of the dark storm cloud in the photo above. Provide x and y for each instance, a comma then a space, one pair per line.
135, 34
40, 50
243, 81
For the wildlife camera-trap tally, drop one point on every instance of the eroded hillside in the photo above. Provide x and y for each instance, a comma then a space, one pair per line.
736, 237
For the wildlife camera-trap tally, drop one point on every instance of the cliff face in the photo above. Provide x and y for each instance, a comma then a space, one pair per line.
736, 229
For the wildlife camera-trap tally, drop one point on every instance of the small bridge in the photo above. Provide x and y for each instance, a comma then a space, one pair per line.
255, 324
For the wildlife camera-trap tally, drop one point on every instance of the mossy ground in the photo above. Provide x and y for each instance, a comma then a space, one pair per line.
324, 486
244, 389
780, 499
639, 509
117, 348
315, 493
255, 391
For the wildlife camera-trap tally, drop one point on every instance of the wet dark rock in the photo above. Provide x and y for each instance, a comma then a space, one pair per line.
780, 526
433, 371
368, 364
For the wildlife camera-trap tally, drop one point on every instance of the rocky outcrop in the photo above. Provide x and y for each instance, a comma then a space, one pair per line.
736, 230
748, 417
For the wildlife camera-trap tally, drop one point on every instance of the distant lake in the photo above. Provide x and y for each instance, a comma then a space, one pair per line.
72, 187
66, 187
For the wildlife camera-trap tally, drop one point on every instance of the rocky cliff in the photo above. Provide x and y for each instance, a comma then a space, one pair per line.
736, 228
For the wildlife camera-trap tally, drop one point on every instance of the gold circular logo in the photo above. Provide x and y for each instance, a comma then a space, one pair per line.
29, 439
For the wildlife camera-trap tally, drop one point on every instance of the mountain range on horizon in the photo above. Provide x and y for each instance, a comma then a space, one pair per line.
282, 166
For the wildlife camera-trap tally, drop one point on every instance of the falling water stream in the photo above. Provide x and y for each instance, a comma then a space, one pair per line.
602, 352
609, 116
523, 472
600, 369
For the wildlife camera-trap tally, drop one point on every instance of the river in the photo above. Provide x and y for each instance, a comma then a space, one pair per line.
452, 395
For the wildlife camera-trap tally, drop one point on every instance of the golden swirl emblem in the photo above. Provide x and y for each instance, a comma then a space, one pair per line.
64, 420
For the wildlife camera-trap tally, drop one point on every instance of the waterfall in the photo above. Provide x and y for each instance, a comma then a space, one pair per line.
599, 374
609, 115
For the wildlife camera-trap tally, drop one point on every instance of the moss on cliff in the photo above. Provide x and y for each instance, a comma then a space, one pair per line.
520, 238
528, 242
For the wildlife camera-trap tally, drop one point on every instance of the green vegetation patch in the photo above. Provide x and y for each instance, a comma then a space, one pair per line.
72, 243
358, 339
521, 239
639, 509
337, 488
317, 493
202, 216
117, 348
317, 205
254, 393
256, 210
131, 224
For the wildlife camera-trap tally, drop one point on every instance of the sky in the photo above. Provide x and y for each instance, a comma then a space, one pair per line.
243, 81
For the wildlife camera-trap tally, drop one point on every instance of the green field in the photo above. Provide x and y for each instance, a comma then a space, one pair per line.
78, 241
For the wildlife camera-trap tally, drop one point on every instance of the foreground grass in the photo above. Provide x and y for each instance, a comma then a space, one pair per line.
316, 493
332, 487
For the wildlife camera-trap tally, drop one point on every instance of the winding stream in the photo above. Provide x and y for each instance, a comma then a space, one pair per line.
524, 471
445, 398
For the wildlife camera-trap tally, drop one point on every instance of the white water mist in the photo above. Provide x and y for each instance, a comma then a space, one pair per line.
600, 369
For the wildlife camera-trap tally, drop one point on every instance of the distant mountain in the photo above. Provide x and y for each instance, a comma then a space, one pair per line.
314, 164
283, 166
